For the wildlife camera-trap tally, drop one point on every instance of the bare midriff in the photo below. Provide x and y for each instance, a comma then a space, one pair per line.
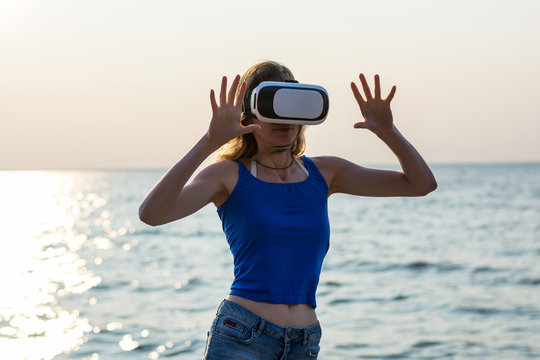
284, 315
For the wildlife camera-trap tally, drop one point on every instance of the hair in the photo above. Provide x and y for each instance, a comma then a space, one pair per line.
245, 146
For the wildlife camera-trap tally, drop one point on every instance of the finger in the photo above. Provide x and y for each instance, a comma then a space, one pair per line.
241, 94
391, 95
223, 91
365, 86
357, 94
250, 128
213, 100
232, 90
377, 87
361, 125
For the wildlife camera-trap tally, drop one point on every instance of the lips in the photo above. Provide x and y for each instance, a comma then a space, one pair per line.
282, 128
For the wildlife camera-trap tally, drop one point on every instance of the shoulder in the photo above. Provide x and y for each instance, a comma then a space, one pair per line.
334, 169
223, 172
329, 164
221, 168
332, 163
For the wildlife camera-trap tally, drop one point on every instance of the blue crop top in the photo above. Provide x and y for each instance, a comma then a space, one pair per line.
279, 235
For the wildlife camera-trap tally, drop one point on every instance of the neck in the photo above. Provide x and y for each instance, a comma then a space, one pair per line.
282, 159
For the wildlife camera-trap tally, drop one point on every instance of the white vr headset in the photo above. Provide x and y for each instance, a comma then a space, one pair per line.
287, 103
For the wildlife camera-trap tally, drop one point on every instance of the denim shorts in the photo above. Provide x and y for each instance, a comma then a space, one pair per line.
239, 334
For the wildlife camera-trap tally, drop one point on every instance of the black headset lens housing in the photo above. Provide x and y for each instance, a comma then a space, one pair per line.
287, 103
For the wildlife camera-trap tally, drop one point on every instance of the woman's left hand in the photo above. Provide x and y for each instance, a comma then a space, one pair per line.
375, 110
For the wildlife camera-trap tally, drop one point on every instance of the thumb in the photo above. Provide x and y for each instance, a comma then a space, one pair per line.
361, 125
250, 128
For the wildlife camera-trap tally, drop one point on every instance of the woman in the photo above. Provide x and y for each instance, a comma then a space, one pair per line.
273, 205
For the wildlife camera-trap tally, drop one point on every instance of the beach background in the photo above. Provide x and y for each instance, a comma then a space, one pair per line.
454, 275
99, 98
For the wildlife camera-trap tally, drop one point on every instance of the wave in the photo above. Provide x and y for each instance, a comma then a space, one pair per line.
350, 346
401, 355
426, 343
479, 310
148, 231
529, 281
486, 269
527, 311
419, 265
340, 301
442, 266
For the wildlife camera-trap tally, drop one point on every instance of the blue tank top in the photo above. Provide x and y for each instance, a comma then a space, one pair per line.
278, 234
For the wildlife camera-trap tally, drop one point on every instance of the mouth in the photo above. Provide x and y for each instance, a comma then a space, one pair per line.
283, 128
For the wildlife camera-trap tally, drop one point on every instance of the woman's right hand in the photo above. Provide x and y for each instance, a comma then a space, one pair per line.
225, 124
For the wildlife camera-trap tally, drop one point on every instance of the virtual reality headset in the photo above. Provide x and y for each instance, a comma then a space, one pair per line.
287, 103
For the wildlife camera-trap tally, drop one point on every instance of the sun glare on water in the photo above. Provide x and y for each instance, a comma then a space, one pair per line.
39, 264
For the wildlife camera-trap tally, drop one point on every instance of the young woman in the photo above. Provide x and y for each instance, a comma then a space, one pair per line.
273, 205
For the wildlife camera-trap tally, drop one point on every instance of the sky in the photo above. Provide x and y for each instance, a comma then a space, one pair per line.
125, 84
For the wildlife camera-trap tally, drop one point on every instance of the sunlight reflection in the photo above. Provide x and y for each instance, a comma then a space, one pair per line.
127, 343
39, 263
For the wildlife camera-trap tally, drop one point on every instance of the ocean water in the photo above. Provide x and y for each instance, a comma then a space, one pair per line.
453, 275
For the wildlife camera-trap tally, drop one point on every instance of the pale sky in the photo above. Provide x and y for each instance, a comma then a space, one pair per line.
107, 84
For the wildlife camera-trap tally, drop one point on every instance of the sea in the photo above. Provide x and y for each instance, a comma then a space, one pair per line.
452, 275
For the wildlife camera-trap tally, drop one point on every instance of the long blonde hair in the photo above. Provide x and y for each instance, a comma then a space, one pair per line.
245, 146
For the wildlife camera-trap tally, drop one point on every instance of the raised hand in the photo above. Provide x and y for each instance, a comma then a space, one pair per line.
375, 110
225, 124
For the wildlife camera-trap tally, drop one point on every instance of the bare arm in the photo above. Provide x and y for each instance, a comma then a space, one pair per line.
171, 198
416, 178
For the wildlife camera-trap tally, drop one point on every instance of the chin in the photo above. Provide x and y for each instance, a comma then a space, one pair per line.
281, 148
285, 142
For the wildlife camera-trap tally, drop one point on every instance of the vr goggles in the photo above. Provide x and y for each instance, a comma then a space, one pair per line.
287, 103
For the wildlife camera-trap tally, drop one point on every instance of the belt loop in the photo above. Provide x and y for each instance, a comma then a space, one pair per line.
305, 337
261, 326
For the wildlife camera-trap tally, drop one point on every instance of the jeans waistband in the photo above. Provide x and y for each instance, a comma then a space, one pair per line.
264, 326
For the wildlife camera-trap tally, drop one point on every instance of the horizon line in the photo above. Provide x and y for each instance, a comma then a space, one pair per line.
134, 169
